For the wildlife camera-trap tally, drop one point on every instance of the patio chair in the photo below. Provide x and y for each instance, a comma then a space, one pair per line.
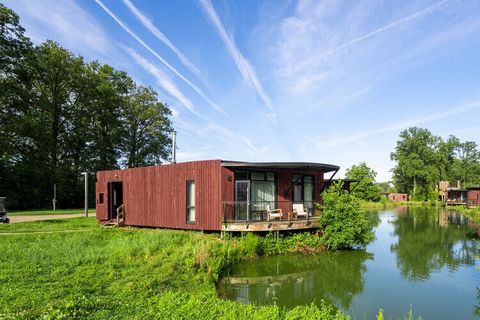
300, 210
274, 213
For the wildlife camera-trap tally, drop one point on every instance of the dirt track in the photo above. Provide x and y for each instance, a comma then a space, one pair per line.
18, 219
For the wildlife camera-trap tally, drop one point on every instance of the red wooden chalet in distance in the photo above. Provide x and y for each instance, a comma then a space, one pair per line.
214, 195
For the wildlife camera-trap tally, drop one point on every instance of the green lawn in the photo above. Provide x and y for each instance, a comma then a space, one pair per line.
80, 224
128, 273
50, 212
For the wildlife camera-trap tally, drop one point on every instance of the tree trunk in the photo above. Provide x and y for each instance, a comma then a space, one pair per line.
414, 185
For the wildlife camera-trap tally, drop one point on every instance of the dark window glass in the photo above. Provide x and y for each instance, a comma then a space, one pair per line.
191, 201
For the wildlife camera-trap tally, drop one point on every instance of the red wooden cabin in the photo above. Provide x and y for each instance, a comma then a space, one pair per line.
213, 195
473, 196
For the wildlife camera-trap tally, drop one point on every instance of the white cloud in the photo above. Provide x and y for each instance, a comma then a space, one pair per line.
233, 138
148, 24
447, 113
64, 22
304, 26
146, 46
162, 80
245, 68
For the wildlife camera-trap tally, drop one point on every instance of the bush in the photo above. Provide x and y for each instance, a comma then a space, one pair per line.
344, 224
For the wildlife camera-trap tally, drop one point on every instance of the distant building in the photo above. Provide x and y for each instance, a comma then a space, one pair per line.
473, 196
396, 197
456, 196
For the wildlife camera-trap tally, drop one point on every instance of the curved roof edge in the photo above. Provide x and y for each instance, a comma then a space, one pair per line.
281, 165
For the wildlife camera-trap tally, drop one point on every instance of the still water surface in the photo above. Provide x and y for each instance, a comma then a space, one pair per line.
424, 259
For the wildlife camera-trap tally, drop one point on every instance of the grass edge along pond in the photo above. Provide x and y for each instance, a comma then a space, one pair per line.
134, 273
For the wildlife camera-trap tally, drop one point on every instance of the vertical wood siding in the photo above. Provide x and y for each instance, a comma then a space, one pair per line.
101, 209
156, 196
474, 196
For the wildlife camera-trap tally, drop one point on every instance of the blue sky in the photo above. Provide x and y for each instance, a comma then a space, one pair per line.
321, 81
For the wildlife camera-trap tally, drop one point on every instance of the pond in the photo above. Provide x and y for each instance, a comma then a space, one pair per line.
423, 259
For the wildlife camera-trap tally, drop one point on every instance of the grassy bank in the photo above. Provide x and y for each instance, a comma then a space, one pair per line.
130, 273
49, 212
370, 205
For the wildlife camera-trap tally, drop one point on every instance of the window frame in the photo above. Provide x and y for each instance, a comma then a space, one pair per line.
101, 198
188, 207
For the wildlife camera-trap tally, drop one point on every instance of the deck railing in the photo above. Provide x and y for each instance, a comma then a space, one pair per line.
257, 211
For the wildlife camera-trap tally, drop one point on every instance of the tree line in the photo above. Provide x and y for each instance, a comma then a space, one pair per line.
424, 159
61, 115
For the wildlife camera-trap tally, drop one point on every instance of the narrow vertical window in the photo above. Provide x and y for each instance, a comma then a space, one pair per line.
100, 198
191, 201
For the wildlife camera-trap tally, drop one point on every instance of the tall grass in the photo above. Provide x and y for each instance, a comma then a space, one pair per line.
131, 273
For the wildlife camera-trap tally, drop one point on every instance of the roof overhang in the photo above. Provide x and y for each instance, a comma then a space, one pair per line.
281, 165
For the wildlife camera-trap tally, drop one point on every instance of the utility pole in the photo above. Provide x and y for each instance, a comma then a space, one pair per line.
54, 201
85, 174
174, 146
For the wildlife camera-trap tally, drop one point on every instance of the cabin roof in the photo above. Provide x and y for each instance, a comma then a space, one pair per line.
281, 165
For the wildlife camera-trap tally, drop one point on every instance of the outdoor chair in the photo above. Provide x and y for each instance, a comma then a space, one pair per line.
274, 213
299, 210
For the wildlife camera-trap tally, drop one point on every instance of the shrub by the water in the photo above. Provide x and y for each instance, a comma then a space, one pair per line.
343, 222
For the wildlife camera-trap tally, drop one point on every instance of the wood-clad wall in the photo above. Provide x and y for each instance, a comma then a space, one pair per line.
284, 184
473, 196
156, 196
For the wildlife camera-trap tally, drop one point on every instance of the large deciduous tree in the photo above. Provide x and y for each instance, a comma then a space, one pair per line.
146, 139
60, 116
364, 188
423, 159
417, 161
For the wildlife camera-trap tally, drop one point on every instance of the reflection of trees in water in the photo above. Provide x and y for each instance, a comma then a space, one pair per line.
477, 307
430, 239
291, 280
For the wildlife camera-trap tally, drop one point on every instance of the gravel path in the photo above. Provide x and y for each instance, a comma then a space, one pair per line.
18, 219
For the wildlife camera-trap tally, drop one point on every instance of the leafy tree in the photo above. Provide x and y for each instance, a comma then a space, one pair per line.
343, 223
15, 52
145, 140
417, 162
466, 164
386, 187
424, 159
107, 100
365, 188
60, 116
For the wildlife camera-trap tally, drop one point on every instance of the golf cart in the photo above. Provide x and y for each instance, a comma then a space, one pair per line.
3, 211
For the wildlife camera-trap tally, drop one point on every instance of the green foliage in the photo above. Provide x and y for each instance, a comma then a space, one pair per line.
273, 244
344, 224
60, 116
423, 159
99, 273
365, 188
418, 232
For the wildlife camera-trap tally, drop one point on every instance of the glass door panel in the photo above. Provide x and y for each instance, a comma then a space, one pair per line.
242, 199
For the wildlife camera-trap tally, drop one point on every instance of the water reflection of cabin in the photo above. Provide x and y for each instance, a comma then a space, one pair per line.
213, 195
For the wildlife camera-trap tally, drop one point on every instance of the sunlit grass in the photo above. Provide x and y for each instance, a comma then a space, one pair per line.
128, 273
49, 212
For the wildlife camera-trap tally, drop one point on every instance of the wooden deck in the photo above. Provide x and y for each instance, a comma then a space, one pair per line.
275, 225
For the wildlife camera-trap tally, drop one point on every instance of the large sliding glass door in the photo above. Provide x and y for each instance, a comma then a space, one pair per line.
303, 192
254, 192
242, 200
263, 190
